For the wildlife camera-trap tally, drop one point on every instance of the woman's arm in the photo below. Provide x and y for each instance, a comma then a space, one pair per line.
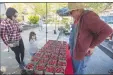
3, 32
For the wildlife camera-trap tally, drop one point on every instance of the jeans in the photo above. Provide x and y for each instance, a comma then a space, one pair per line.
19, 51
80, 65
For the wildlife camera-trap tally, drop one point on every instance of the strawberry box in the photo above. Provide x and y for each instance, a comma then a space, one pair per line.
62, 53
62, 63
52, 62
30, 66
39, 54
54, 56
35, 59
55, 52
62, 58
40, 69
48, 51
41, 51
49, 69
59, 70
47, 55
43, 61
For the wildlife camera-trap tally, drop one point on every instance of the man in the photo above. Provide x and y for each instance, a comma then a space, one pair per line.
40, 24
88, 31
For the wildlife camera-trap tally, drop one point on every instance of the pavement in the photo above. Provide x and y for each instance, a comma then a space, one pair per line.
100, 62
107, 45
8, 62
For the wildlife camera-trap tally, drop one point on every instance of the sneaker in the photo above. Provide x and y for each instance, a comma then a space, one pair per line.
21, 66
23, 63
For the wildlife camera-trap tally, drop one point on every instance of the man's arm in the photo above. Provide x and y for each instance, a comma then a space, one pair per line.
98, 27
3, 33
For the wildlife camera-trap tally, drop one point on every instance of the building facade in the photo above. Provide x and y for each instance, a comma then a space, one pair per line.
2, 10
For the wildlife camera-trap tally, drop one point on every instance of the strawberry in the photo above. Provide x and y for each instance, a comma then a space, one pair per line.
40, 67
50, 68
59, 70
52, 62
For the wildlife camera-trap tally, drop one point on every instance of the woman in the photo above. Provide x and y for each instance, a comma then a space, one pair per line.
10, 34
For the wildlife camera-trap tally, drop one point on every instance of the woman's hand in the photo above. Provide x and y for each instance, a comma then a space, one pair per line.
10, 45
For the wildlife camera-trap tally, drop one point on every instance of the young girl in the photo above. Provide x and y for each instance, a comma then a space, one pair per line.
33, 43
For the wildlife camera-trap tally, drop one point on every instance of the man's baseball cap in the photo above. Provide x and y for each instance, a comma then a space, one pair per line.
71, 6
76, 6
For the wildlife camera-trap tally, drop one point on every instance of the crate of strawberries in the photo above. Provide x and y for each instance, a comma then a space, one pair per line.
51, 59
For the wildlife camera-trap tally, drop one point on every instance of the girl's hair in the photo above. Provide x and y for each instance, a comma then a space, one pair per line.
32, 34
11, 12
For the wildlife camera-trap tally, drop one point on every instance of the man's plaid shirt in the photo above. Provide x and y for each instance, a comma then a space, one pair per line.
9, 31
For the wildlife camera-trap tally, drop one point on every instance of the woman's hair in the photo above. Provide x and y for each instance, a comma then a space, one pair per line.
11, 12
32, 34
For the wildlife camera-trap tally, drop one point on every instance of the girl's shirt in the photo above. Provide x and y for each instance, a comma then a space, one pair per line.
33, 46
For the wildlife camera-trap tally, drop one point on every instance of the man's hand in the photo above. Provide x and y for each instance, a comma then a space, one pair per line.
90, 51
10, 45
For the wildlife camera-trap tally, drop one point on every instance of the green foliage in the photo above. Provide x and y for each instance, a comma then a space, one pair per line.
33, 19
67, 26
65, 20
1, 16
18, 6
37, 8
97, 7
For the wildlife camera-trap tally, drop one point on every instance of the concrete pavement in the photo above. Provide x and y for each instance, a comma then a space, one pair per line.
8, 58
99, 63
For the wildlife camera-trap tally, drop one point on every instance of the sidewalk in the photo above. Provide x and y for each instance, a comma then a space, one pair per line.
8, 58
99, 63
105, 45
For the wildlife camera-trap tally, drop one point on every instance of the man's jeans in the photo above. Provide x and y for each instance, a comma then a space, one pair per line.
80, 65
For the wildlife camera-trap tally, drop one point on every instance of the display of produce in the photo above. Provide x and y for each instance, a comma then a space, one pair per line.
50, 59
40, 69
59, 70
30, 66
62, 63
52, 62
49, 69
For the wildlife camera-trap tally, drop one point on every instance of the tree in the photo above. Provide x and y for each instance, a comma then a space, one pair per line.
52, 8
98, 7
33, 19
18, 6
37, 8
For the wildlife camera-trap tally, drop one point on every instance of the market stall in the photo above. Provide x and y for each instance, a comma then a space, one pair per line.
53, 58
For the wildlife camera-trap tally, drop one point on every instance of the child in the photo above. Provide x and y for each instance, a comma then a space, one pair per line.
33, 43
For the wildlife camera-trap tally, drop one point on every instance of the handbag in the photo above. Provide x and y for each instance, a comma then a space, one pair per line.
15, 43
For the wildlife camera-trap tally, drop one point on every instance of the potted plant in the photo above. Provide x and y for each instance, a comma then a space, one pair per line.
33, 19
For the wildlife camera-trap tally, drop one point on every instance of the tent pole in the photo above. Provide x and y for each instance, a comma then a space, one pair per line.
46, 22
